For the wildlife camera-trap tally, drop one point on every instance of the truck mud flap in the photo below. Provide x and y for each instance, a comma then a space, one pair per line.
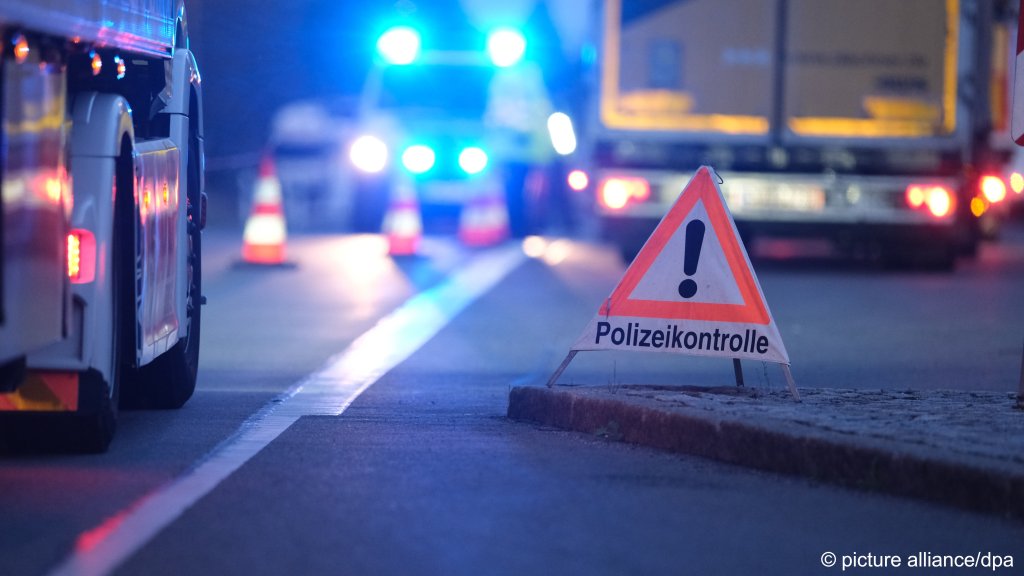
57, 412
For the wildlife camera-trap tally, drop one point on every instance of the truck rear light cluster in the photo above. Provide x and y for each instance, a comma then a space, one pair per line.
616, 192
992, 188
81, 256
937, 199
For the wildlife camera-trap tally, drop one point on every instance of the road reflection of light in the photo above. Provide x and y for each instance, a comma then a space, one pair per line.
328, 391
88, 541
552, 252
363, 251
534, 246
557, 252
363, 264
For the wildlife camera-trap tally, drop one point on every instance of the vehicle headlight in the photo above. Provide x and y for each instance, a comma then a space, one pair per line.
369, 154
418, 158
472, 160
563, 137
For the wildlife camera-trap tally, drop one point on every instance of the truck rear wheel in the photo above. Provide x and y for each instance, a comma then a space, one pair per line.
96, 421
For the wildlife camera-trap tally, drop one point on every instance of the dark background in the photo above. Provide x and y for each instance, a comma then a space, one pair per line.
258, 55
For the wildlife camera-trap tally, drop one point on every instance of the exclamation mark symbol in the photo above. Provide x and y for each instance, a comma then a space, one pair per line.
694, 240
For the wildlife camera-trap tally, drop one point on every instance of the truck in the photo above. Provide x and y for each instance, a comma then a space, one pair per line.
878, 126
101, 157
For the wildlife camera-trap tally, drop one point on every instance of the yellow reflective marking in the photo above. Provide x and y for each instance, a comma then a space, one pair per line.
952, 40
829, 126
43, 392
884, 108
630, 111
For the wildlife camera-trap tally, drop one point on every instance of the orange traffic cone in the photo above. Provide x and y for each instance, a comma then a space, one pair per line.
403, 224
265, 231
484, 220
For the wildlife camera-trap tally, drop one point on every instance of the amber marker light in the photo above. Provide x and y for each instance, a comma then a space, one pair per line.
978, 206
21, 49
96, 63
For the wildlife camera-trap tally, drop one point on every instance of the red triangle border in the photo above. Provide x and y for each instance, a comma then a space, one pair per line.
753, 310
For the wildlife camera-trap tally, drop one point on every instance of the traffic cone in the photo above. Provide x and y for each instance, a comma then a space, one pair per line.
263, 241
403, 225
484, 220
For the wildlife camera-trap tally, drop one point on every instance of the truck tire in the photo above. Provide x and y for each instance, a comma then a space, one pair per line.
170, 380
96, 420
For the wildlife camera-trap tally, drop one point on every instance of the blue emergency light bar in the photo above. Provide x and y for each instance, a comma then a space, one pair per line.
399, 45
506, 47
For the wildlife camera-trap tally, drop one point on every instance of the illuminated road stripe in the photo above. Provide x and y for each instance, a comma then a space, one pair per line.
327, 392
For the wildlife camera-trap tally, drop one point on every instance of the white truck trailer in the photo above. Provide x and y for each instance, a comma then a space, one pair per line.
101, 157
874, 124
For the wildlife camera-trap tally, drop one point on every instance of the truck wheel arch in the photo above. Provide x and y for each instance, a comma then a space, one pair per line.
102, 148
102, 140
101, 122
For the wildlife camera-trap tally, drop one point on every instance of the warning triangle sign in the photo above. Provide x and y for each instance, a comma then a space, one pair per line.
690, 289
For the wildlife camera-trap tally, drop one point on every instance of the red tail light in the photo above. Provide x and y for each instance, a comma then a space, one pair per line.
81, 256
993, 188
939, 200
916, 195
616, 193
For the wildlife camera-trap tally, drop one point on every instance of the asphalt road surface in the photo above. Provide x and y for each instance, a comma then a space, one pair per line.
349, 419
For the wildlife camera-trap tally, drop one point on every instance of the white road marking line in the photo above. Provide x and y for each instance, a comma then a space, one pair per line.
327, 392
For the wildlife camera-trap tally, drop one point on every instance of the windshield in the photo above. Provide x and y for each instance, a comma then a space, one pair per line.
450, 90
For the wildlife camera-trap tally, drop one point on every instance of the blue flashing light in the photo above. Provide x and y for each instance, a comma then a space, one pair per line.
418, 158
399, 45
506, 47
472, 160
